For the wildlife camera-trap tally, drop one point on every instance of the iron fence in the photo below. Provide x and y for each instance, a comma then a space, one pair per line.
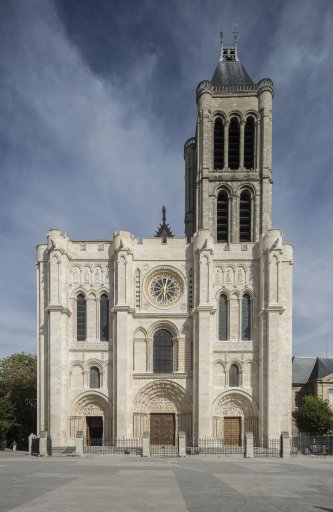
311, 444
122, 446
265, 447
214, 446
164, 448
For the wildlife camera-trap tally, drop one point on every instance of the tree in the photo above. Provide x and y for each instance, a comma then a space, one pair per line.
314, 416
18, 382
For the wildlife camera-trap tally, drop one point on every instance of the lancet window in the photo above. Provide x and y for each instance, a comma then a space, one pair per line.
81, 318
218, 144
162, 352
222, 217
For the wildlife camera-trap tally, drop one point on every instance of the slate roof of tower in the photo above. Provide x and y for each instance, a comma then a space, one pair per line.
230, 73
306, 369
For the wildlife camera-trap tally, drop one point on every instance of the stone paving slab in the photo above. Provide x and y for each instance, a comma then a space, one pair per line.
192, 484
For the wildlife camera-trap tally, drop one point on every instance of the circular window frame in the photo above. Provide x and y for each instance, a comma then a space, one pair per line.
160, 272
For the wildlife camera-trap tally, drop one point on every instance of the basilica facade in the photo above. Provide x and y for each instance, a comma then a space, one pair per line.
166, 334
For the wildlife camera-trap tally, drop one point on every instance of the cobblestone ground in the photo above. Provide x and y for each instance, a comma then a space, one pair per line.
195, 484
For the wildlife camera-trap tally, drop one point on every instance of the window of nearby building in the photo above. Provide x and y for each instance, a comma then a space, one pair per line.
222, 216
104, 317
245, 217
330, 396
95, 377
223, 318
249, 143
234, 138
218, 144
81, 318
234, 376
162, 352
246, 317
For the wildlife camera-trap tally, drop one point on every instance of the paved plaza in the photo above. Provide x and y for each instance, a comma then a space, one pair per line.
195, 484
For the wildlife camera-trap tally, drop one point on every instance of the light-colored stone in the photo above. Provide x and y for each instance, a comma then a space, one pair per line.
197, 391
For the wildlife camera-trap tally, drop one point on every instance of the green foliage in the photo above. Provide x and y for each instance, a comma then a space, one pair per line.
314, 416
18, 381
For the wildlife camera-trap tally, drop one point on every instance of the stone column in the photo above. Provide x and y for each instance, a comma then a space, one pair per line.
285, 445
146, 444
182, 444
249, 445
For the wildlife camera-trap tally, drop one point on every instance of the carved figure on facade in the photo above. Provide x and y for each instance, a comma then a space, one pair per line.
240, 276
233, 404
218, 275
162, 395
229, 276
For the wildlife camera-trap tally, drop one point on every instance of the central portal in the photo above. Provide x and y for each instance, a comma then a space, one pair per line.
162, 429
232, 431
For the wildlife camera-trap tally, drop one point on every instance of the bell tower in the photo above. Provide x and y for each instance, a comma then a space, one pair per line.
228, 164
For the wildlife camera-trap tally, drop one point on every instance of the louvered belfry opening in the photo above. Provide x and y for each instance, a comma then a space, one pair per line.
218, 144
222, 217
245, 217
223, 318
234, 138
249, 143
81, 318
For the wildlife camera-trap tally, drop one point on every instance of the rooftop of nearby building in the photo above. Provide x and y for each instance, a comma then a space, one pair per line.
306, 369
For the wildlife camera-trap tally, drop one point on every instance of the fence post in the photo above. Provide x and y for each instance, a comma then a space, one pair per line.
30, 438
146, 444
79, 443
182, 444
44, 444
249, 445
285, 445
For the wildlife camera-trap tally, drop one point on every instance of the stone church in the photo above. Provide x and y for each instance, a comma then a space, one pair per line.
167, 334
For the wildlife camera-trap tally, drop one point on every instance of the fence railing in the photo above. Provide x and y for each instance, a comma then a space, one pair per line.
311, 444
122, 446
164, 448
265, 447
214, 446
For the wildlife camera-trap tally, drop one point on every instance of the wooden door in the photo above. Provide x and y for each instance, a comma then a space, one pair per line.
162, 429
232, 431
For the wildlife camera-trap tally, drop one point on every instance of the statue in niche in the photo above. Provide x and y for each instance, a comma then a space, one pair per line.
76, 276
229, 276
218, 276
240, 277
98, 276
86, 276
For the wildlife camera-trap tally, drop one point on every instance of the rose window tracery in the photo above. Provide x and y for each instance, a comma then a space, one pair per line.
164, 288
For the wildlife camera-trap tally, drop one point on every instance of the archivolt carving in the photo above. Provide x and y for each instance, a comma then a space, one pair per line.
234, 404
92, 405
163, 396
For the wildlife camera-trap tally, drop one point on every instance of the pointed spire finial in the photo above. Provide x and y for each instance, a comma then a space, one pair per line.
221, 41
164, 230
235, 32
163, 214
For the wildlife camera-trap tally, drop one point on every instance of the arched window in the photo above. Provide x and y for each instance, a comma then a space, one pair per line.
163, 352
223, 318
249, 143
246, 317
95, 377
234, 376
81, 318
104, 317
218, 144
234, 138
245, 217
222, 220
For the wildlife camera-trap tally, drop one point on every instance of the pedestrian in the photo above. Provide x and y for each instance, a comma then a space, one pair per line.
14, 445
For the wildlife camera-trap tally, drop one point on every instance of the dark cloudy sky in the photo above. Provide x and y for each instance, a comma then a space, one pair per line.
96, 101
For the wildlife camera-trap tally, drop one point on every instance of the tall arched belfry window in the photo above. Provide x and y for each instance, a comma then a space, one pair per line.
234, 376
81, 318
234, 142
222, 221
162, 352
95, 377
104, 317
245, 217
223, 318
218, 144
246, 317
249, 143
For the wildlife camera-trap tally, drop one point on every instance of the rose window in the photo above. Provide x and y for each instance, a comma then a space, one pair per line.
164, 288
